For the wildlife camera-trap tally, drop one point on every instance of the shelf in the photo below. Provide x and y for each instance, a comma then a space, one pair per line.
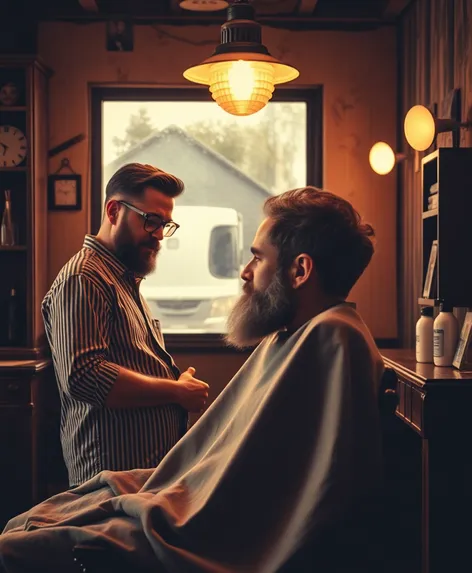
429, 302
12, 108
434, 155
17, 169
450, 169
14, 248
20, 353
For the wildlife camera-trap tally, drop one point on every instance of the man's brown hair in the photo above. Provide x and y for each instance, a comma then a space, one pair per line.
326, 227
132, 179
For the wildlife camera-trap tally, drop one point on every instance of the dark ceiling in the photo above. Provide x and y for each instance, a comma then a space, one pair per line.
295, 14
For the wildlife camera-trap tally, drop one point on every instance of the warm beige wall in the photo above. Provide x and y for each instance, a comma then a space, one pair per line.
357, 71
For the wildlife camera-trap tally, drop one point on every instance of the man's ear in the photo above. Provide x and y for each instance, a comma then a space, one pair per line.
301, 270
112, 209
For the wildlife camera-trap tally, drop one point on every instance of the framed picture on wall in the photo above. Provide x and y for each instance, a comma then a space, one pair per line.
428, 290
119, 36
460, 357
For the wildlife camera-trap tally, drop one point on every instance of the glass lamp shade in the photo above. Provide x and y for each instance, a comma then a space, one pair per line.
203, 5
241, 83
382, 158
420, 127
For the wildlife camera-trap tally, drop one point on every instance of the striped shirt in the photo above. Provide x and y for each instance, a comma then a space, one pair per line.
96, 320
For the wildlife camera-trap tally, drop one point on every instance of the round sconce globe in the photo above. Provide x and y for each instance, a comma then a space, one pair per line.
381, 158
420, 127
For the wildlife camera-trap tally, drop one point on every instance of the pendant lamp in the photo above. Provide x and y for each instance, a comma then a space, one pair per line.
241, 73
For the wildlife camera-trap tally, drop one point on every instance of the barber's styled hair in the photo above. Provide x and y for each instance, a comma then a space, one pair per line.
132, 179
326, 227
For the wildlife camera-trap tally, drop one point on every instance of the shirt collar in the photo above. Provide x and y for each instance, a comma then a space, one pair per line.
91, 242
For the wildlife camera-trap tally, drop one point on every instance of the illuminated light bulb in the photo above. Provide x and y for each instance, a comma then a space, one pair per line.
382, 158
420, 127
241, 87
241, 80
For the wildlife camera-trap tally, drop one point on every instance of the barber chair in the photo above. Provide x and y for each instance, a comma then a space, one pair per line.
89, 558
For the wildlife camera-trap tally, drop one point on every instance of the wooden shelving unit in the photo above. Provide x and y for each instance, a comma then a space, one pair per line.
23, 267
26, 377
450, 224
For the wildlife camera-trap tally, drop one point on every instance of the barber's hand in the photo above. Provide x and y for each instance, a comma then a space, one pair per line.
192, 393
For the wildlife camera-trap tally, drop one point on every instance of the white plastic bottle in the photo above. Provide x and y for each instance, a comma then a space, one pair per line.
424, 335
446, 336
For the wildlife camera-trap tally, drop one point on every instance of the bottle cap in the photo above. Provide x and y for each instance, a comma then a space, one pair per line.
445, 307
426, 311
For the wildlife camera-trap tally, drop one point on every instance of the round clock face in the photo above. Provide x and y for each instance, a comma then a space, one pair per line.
65, 192
12, 146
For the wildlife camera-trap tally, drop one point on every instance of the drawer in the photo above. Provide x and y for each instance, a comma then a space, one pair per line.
401, 397
14, 391
411, 405
407, 401
417, 408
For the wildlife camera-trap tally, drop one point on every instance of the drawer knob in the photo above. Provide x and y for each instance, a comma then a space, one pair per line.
13, 387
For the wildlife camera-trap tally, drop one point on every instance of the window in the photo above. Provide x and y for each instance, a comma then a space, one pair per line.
229, 165
223, 259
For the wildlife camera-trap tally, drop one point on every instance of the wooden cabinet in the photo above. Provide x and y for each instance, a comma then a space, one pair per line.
23, 172
432, 456
27, 433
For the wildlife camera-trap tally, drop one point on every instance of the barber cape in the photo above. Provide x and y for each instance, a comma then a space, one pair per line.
277, 476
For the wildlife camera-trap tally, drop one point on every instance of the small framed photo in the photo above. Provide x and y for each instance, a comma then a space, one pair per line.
65, 192
460, 357
429, 292
119, 36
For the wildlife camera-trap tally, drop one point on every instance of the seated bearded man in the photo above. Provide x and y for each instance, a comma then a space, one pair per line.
282, 471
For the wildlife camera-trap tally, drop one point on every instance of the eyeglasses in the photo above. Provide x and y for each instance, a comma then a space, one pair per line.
153, 222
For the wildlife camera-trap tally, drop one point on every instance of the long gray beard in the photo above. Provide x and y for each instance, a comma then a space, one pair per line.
258, 314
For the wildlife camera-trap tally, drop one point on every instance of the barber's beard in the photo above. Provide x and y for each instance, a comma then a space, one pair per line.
257, 314
136, 257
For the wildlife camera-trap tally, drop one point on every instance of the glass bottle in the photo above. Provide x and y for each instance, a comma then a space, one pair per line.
7, 231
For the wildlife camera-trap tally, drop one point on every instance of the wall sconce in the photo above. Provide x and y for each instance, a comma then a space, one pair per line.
421, 127
382, 158
241, 73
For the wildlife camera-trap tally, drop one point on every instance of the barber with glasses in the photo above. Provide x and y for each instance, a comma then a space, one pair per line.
124, 402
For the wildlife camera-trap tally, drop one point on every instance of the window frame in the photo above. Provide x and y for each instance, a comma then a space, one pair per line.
312, 96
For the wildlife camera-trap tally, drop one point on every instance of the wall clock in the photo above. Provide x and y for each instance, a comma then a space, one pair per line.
13, 146
64, 192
